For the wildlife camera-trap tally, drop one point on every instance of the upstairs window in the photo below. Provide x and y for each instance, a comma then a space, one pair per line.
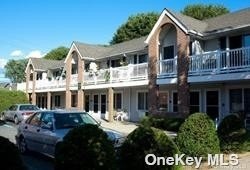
168, 52
142, 58
116, 63
246, 41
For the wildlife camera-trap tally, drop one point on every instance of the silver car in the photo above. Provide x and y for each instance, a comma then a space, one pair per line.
18, 112
45, 129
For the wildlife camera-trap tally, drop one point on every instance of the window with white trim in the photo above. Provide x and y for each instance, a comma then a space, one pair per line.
142, 101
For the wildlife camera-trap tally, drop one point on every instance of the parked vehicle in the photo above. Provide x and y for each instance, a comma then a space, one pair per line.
45, 129
18, 112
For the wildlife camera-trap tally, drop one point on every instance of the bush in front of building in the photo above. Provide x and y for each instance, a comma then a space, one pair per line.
85, 147
233, 135
197, 136
162, 122
8, 98
142, 141
10, 156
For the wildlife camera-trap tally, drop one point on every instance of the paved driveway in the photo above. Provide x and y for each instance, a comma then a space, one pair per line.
32, 161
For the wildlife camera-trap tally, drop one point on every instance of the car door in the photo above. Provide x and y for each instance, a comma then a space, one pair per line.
47, 134
31, 130
9, 114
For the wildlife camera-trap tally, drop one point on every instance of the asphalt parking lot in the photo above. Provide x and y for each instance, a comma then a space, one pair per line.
33, 161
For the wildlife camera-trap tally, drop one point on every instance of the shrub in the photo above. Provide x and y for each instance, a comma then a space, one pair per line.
164, 123
85, 147
143, 141
10, 156
233, 135
197, 136
8, 98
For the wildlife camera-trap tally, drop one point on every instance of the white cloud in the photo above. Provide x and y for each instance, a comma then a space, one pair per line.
35, 54
3, 62
16, 53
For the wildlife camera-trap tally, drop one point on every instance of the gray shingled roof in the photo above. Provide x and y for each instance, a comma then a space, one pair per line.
227, 21
190, 23
100, 51
44, 64
231, 20
90, 50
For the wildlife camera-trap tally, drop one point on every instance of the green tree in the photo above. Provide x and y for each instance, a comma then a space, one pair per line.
136, 26
15, 70
57, 53
203, 11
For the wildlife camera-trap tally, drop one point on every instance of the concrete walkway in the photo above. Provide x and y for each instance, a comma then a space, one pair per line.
126, 127
122, 127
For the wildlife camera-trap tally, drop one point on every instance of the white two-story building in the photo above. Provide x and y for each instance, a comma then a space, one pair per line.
142, 73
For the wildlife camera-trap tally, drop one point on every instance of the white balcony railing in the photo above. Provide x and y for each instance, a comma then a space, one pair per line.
53, 84
217, 62
168, 67
118, 74
74, 79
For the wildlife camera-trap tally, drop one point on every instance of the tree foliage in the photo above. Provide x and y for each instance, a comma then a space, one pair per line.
58, 53
197, 136
85, 147
136, 26
146, 140
8, 98
15, 70
203, 11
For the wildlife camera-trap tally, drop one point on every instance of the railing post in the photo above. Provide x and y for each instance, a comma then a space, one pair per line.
218, 57
129, 72
110, 74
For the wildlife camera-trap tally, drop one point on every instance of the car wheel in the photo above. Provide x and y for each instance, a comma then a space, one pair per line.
22, 146
16, 120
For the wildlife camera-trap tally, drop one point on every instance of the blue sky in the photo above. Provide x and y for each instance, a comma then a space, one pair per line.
34, 27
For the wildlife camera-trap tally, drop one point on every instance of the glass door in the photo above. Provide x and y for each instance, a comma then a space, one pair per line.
247, 101
103, 103
212, 104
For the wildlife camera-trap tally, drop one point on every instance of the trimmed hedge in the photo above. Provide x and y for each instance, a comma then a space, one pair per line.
197, 136
10, 156
143, 141
85, 147
233, 135
8, 98
164, 123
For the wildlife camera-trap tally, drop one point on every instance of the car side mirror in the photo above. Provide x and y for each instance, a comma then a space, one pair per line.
99, 122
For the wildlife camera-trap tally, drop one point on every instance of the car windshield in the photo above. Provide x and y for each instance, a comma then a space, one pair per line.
71, 120
28, 107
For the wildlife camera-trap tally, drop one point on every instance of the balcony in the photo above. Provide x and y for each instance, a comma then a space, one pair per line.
50, 84
210, 63
119, 74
